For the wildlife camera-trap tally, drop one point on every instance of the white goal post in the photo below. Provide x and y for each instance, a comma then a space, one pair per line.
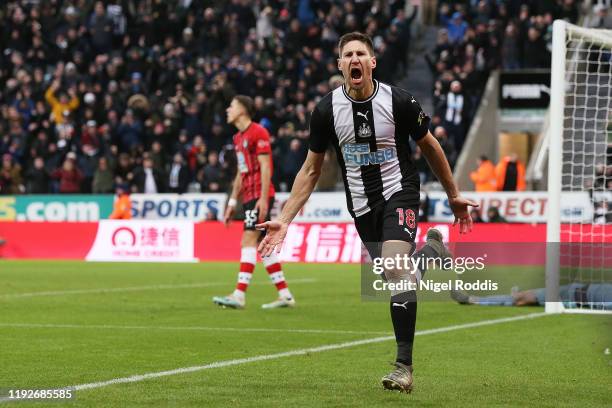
580, 144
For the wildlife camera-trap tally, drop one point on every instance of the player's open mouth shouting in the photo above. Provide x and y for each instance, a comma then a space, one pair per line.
356, 75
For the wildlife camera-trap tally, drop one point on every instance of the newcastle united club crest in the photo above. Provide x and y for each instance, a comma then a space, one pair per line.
364, 130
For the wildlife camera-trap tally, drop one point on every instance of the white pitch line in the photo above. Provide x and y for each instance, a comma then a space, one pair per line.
184, 328
298, 352
133, 289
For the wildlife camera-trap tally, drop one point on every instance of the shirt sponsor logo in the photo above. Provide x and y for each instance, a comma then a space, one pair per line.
360, 154
242, 165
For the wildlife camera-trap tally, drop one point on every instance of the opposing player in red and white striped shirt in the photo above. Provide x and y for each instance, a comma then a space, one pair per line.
253, 183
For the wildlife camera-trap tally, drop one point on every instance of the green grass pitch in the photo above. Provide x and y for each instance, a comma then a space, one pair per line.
95, 322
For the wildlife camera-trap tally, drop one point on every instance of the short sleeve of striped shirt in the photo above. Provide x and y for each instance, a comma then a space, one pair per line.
321, 130
416, 120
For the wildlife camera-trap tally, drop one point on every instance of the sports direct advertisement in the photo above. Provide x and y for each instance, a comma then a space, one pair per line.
517, 207
526, 206
191, 207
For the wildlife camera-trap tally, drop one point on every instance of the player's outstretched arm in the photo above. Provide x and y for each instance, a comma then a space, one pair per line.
439, 165
304, 184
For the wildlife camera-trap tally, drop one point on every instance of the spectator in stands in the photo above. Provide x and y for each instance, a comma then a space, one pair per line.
87, 162
212, 176
602, 17
61, 108
476, 216
290, 165
455, 107
37, 178
456, 28
124, 170
535, 53
484, 177
511, 48
178, 177
448, 147
510, 173
122, 207
421, 165
602, 213
100, 29
130, 131
69, 176
599, 181
158, 155
196, 153
147, 179
10, 176
103, 179
568, 10
494, 216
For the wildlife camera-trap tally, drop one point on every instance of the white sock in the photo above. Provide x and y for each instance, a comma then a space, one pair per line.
276, 275
248, 258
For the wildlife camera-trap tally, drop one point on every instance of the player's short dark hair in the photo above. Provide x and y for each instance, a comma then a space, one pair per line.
247, 103
355, 36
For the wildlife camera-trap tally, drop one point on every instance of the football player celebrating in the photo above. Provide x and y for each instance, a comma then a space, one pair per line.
370, 125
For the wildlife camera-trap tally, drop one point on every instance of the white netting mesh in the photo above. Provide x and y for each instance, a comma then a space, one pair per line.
587, 166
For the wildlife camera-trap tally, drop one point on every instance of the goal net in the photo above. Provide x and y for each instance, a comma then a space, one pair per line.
579, 241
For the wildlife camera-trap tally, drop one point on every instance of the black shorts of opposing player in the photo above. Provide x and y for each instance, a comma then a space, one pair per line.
394, 220
251, 214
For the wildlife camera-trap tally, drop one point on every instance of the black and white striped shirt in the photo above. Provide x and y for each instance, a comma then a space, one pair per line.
371, 139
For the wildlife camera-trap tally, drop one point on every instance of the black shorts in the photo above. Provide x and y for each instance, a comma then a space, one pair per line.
397, 220
251, 215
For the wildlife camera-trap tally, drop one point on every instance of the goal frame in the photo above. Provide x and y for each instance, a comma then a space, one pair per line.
555, 163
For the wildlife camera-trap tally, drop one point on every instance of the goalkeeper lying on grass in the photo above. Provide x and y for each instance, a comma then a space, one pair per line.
575, 295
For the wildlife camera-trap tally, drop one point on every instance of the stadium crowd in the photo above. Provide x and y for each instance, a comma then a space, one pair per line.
133, 92
474, 38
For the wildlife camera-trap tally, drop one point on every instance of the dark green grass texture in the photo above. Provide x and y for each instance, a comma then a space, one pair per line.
554, 360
